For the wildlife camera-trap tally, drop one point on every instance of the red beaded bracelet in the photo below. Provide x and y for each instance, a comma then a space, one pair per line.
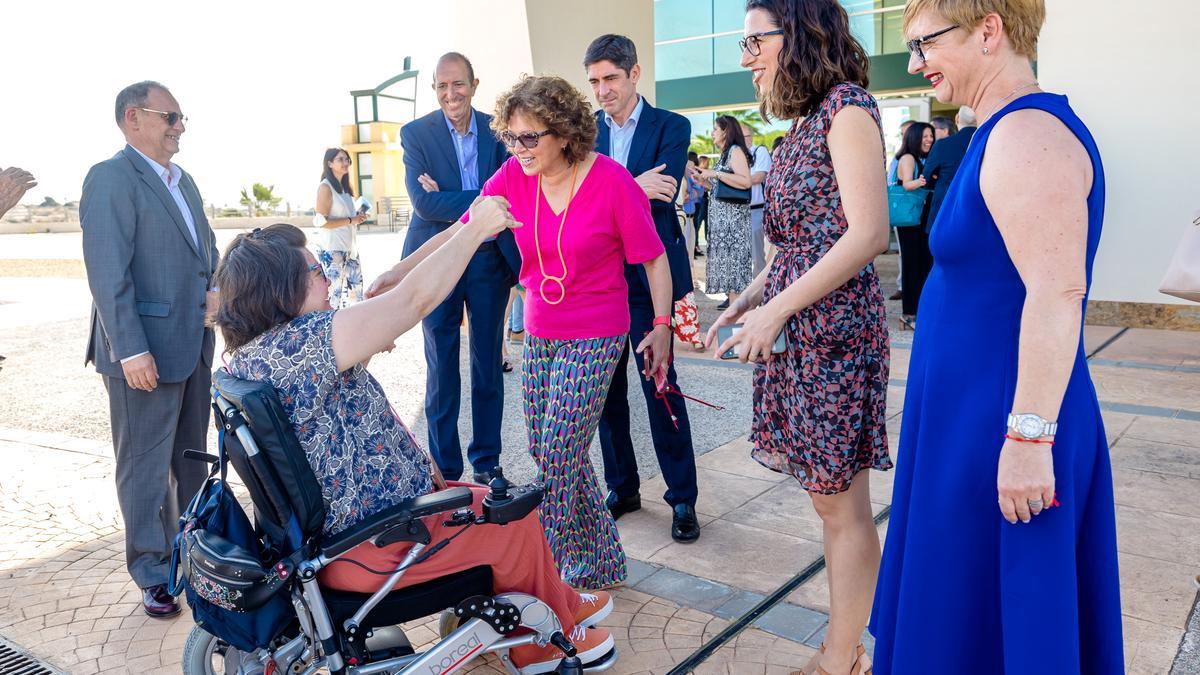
1027, 440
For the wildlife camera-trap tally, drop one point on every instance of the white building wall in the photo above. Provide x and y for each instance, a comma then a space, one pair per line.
1131, 69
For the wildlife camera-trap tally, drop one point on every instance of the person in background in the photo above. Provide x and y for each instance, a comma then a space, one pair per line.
596, 217
760, 164
14, 183
150, 256
914, 241
337, 222
448, 154
891, 178
820, 405
279, 328
514, 322
651, 144
943, 127
1001, 554
942, 163
775, 145
701, 206
730, 261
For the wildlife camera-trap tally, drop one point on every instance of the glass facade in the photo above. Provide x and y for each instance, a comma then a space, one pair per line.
697, 38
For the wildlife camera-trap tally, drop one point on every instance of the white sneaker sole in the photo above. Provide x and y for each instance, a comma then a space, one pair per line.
585, 657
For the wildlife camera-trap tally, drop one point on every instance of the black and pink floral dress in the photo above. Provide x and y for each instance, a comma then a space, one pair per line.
819, 407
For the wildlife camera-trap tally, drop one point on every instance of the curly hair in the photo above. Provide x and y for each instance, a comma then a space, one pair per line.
263, 279
554, 102
1022, 19
818, 52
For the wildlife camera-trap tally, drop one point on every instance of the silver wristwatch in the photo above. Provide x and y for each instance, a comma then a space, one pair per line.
1030, 426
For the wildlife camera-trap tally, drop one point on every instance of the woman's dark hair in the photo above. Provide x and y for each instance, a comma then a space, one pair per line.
911, 143
733, 137
263, 278
776, 143
818, 52
340, 186
693, 157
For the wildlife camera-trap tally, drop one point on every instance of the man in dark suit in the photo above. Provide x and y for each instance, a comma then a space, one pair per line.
944, 158
448, 155
150, 256
652, 144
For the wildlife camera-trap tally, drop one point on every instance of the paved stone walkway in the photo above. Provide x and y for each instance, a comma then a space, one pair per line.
65, 596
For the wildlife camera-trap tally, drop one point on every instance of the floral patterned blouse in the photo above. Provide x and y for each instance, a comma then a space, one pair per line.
362, 454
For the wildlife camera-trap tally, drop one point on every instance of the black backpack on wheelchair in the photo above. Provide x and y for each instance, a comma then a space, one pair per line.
356, 633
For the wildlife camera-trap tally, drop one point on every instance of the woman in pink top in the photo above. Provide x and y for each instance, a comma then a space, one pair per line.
584, 217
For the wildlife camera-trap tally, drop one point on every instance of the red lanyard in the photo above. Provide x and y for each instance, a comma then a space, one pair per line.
662, 388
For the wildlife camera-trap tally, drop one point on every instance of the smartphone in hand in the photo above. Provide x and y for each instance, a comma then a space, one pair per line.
726, 332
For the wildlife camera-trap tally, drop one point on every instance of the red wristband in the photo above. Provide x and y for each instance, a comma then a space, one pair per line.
1027, 440
662, 321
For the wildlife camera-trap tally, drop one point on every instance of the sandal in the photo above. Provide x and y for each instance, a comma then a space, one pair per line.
861, 665
508, 367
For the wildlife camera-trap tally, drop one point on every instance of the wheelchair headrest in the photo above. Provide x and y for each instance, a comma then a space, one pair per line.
278, 476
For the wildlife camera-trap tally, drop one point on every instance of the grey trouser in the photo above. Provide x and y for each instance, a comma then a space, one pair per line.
150, 430
757, 240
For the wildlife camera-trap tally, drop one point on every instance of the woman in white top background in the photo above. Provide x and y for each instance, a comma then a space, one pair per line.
337, 223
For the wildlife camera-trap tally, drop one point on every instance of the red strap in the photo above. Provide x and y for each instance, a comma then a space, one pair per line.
1027, 440
663, 389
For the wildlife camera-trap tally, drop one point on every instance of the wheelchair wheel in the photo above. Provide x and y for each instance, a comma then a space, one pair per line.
447, 624
206, 654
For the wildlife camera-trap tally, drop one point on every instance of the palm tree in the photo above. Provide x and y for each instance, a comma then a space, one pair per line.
261, 200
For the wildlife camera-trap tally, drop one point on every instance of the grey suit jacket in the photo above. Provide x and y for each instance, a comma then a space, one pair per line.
148, 278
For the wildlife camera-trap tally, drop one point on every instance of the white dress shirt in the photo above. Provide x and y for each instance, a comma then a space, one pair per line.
620, 136
170, 177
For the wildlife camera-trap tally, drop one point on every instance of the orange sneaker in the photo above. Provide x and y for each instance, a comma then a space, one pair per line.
591, 643
593, 608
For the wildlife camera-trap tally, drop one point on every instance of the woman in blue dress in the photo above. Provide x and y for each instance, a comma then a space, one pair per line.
1001, 551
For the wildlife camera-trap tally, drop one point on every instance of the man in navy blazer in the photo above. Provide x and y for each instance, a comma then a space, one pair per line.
448, 155
652, 144
944, 158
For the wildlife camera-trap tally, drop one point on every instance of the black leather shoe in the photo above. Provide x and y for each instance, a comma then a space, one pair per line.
485, 477
684, 526
724, 303
619, 506
158, 603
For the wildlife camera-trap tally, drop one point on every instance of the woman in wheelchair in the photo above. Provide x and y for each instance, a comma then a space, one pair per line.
277, 323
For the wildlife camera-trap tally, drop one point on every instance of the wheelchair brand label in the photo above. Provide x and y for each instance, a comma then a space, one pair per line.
456, 654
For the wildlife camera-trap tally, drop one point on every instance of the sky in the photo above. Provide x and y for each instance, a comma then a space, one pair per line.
265, 84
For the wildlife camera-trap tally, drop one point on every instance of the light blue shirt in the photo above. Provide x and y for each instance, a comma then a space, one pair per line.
170, 177
620, 137
466, 147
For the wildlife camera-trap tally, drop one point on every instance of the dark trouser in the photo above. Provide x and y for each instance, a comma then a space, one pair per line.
150, 430
676, 457
483, 289
916, 262
701, 216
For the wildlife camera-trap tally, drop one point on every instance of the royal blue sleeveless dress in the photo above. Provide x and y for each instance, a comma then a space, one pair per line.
960, 589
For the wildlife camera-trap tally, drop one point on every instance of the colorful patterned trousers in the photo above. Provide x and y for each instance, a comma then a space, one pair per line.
565, 383
345, 277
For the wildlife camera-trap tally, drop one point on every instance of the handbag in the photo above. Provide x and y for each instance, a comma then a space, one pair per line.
731, 195
1182, 279
905, 206
232, 593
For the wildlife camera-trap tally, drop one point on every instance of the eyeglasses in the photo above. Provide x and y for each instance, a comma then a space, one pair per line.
753, 42
170, 117
529, 139
914, 45
316, 267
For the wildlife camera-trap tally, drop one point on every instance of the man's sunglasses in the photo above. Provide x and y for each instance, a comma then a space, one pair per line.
529, 139
170, 117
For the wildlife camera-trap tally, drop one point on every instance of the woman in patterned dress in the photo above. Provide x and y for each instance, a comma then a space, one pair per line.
278, 325
730, 261
337, 224
819, 405
584, 217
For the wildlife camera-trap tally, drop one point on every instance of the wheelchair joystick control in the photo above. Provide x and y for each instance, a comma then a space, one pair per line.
571, 665
505, 502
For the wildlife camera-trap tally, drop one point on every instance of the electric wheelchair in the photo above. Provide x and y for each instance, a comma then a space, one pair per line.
353, 633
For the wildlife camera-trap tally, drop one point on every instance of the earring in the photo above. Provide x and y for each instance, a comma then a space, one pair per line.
985, 50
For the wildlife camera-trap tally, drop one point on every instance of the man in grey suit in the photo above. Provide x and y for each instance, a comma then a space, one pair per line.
150, 256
